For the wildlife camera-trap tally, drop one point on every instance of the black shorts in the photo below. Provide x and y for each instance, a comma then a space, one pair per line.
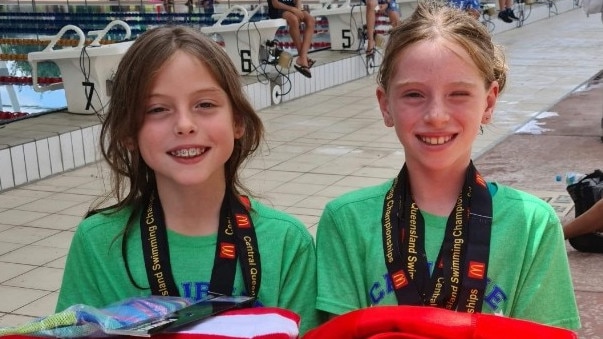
275, 13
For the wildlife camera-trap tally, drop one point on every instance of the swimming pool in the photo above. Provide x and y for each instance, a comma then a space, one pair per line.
26, 28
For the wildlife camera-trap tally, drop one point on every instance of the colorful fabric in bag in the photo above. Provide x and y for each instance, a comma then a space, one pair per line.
86, 321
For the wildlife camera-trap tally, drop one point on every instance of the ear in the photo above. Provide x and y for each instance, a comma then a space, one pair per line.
384, 107
491, 99
239, 129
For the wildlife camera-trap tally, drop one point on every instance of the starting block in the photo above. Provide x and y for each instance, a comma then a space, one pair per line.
242, 40
345, 24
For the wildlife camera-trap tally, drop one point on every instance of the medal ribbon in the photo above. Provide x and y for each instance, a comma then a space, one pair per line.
236, 239
458, 280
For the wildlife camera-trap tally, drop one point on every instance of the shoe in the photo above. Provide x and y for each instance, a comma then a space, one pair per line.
370, 52
311, 63
511, 14
304, 70
504, 16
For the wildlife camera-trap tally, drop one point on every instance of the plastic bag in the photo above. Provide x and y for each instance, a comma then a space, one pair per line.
87, 321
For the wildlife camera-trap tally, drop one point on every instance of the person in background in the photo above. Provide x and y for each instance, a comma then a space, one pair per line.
505, 12
208, 7
178, 128
588, 222
295, 15
471, 6
439, 234
374, 7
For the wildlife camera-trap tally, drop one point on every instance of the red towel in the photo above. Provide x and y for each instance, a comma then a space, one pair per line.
417, 322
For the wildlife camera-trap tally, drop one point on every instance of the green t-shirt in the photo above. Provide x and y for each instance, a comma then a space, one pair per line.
95, 273
528, 273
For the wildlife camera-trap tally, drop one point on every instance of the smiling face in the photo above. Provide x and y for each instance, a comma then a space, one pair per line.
188, 130
436, 101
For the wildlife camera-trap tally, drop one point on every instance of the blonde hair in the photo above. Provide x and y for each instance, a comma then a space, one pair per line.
431, 21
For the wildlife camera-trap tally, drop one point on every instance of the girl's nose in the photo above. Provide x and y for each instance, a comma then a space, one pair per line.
185, 124
437, 112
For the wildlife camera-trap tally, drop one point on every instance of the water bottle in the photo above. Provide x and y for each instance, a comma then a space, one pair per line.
570, 177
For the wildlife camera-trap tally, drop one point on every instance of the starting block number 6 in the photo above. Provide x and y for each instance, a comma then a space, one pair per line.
246, 62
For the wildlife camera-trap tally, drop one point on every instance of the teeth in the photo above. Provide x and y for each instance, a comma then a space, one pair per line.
436, 140
188, 152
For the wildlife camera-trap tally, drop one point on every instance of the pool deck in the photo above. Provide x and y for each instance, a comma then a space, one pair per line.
320, 144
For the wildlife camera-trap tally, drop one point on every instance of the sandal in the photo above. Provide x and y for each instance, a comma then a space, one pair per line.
370, 52
304, 70
311, 63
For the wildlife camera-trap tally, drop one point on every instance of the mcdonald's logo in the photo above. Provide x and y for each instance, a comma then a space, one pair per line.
242, 221
399, 279
477, 270
480, 180
227, 250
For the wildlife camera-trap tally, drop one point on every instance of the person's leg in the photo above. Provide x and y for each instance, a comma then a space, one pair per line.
294, 32
502, 5
509, 5
301, 63
309, 23
393, 13
503, 14
371, 18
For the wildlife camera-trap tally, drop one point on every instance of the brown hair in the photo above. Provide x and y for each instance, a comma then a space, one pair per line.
131, 178
431, 21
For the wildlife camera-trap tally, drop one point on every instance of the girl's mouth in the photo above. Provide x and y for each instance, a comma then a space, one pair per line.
436, 140
188, 152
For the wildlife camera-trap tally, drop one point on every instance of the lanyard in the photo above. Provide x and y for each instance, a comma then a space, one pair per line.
458, 281
236, 239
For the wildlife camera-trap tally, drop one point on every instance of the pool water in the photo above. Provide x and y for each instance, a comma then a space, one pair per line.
19, 100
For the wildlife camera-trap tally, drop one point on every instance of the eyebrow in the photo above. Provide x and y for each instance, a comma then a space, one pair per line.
213, 89
414, 83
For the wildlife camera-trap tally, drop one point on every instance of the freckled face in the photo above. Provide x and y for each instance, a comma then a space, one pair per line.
188, 131
436, 101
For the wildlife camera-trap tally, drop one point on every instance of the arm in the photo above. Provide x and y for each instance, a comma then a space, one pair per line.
79, 286
337, 273
588, 222
299, 282
545, 291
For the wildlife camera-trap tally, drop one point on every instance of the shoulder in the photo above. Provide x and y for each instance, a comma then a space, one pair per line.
107, 222
515, 207
513, 198
371, 196
270, 220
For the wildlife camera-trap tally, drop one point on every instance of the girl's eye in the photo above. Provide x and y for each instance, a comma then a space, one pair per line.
155, 110
460, 93
205, 105
412, 95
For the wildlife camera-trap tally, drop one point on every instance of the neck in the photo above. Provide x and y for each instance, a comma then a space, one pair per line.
192, 211
436, 192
